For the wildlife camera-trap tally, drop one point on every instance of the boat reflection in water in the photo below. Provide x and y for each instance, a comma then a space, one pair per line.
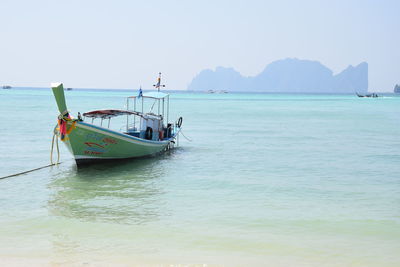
110, 212
128, 192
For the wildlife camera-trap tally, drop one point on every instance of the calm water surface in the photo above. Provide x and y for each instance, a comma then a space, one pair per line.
268, 180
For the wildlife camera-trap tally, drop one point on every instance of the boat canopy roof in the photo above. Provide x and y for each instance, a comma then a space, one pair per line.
155, 95
108, 113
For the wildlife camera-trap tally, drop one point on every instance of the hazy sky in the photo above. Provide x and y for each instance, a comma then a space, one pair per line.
124, 44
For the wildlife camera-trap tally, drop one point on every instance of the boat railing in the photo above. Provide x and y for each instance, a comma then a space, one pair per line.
135, 127
129, 128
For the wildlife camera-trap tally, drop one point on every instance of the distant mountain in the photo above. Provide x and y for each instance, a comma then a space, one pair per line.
287, 75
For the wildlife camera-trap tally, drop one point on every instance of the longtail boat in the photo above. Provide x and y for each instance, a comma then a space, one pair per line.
367, 95
145, 134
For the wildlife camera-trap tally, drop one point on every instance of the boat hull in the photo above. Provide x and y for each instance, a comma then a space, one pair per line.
89, 144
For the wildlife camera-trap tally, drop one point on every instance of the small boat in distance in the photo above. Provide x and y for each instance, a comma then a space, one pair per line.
367, 95
145, 133
7, 87
217, 91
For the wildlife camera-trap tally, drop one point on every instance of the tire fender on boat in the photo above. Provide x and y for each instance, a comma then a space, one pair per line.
179, 123
149, 133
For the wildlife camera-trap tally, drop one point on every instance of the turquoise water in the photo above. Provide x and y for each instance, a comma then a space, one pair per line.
268, 180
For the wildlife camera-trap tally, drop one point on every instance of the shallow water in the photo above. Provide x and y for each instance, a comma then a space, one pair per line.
279, 180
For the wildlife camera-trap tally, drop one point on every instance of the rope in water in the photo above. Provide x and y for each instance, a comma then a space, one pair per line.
20, 173
58, 150
51, 160
187, 138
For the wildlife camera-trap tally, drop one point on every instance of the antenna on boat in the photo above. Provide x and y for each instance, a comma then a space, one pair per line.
158, 84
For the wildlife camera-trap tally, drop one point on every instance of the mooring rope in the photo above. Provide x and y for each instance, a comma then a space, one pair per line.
51, 159
187, 138
52, 148
20, 173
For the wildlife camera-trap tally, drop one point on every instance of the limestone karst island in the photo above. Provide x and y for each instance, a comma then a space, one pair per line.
288, 75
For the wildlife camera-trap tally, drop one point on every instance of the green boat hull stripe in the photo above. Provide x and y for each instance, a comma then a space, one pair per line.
86, 157
89, 142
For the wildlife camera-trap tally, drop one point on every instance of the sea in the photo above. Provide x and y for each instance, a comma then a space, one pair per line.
256, 180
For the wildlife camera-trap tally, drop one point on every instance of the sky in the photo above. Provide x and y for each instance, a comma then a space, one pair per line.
124, 44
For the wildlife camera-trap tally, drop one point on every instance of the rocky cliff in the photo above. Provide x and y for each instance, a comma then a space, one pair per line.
288, 75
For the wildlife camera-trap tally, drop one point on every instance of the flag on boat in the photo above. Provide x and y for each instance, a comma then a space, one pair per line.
140, 92
158, 84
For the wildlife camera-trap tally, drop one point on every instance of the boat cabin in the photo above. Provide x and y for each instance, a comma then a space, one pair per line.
152, 125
